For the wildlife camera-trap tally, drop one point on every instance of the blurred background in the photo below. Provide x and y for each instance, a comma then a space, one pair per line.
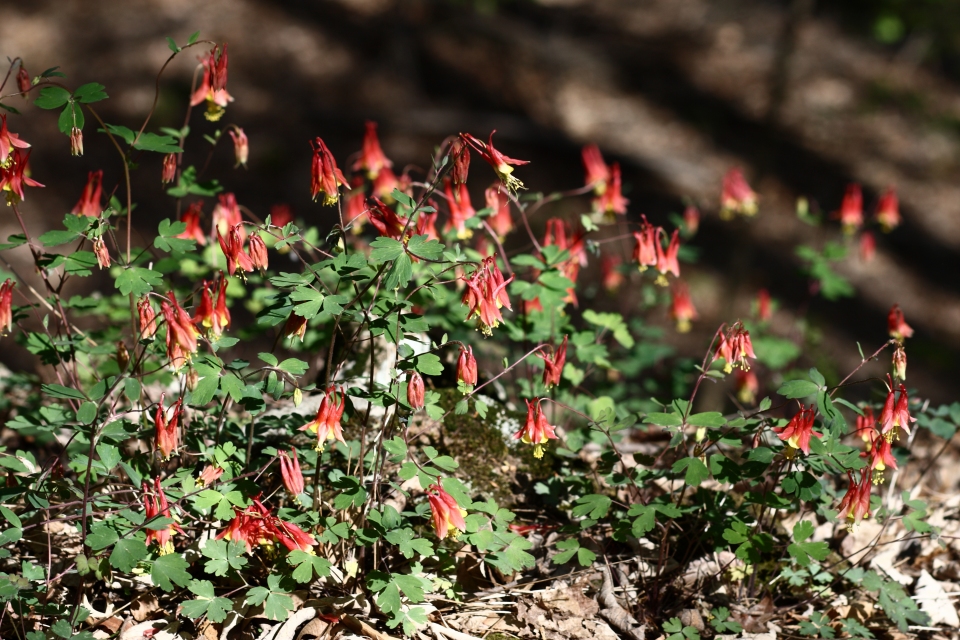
806, 97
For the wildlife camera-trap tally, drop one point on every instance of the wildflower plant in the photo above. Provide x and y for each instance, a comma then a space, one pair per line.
145, 448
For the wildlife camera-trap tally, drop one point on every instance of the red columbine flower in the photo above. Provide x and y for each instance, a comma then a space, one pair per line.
460, 156
612, 277
645, 253
13, 176
596, 170
191, 218
213, 89
385, 183
327, 423
148, 319
23, 80
204, 314
888, 210
611, 201
500, 220
290, 471
467, 366
325, 177
798, 431
281, 215
76, 142
900, 362
293, 537
553, 364
209, 475
559, 234
866, 425
868, 246
232, 248
356, 207
691, 219
386, 221
6, 306
8, 140
258, 252
295, 325
536, 431
681, 307
881, 457
501, 164
460, 208
896, 414
372, 159
227, 214
764, 312
735, 347
736, 195
897, 325
485, 295
747, 386
241, 146
181, 334
89, 202
447, 514
855, 505
427, 225
167, 431
169, 172
667, 259
851, 209
415, 391
155, 504
100, 250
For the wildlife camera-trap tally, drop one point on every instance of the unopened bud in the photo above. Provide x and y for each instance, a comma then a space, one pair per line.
100, 250
169, 168
193, 378
258, 252
900, 362
241, 147
23, 81
76, 142
415, 391
123, 356
297, 396
460, 154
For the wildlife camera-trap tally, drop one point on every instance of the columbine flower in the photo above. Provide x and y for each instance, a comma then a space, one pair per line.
500, 220
559, 234
896, 414
232, 248
89, 202
736, 195
447, 514
23, 80
501, 164
281, 215
888, 210
290, 472
386, 181
900, 362
747, 386
612, 277
868, 246
227, 214
76, 142
596, 170
148, 319
764, 312
866, 425
241, 146
881, 457
100, 250
460, 155
181, 334
553, 364
327, 423
427, 225
611, 201
325, 177
203, 314
855, 505
167, 430
386, 221
258, 252
169, 172
372, 159
209, 475
735, 347
6, 306
645, 253
155, 504
667, 259
851, 209
8, 140
691, 220
13, 176
213, 89
896, 324
415, 391
681, 307
295, 325
257, 525
536, 430
460, 208
467, 366
798, 431
191, 218
486, 294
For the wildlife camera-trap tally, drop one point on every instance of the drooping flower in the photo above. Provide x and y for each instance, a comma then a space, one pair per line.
415, 391
645, 253
460, 155
502, 165
735, 347
13, 176
100, 250
896, 324
736, 195
8, 140
611, 274
232, 248
148, 319
681, 307
888, 210
798, 431
500, 220
747, 386
611, 201
536, 430
386, 221
257, 525
553, 364
89, 203
486, 294
191, 218
467, 366
427, 225
667, 259
290, 472
896, 413
900, 362
296, 325
155, 504
386, 182
213, 89
850, 213
227, 214
855, 505
596, 170
372, 159
560, 235
167, 429
281, 215
258, 252
181, 334
764, 312
6, 306
881, 457
203, 314
327, 423
325, 176
169, 172
209, 475
447, 514
241, 146
691, 220
23, 80
868, 246
460, 208
76, 142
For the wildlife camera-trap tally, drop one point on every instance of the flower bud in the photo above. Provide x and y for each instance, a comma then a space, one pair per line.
296, 325
23, 81
297, 396
169, 168
193, 379
148, 319
258, 252
900, 362
241, 147
123, 357
460, 154
290, 472
691, 219
467, 366
76, 142
100, 250
209, 475
415, 391
6, 306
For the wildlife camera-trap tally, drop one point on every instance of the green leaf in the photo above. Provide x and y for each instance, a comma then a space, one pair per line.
797, 389
697, 471
293, 366
421, 247
775, 352
310, 301
801, 551
385, 250
127, 553
428, 364
173, 45
60, 391
277, 605
399, 274
167, 240
90, 92
101, 536
161, 144
306, 564
207, 603
408, 543
70, 117
224, 556
138, 281
663, 419
193, 37
594, 505
52, 98
713, 419
170, 570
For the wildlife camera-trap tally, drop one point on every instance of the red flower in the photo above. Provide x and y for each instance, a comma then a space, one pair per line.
896, 415
559, 234
281, 215
386, 221
553, 365
385, 183
681, 307
89, 202
691, 219
460, 155
500, 220
851, 209
667, 259
241, 146
148, 319
645, 253
736, 195
295, 325
155, 504
735, 347
611, 201
798, 431
461, 209
427, 225
327, 423
900, 362
232, 248
6, 306
169, 173
486, 294
181, 334
763, 305
209, 475
536, 431
257, 525
76, 142
226, 214
191, 218
881, 457
204, 314
866, 425
415, 391
597, 171
167, 431
213, 89
467, 366
612, 277
258, 252
100, 250
325, 176
855, 505
13, 176
501, 164
290, 472
868, 246
896, 324
8, 141
447, 514
372, 159
888, 210
747, 386
23, 80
